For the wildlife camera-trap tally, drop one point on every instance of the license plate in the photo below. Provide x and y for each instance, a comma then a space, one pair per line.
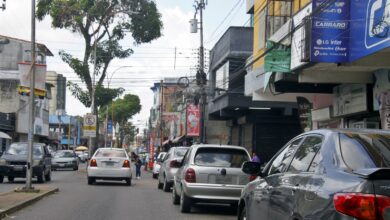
18, 168
109, 164
62, 165
220, 179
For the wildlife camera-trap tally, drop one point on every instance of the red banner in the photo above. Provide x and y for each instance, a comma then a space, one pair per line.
151, 151
193, 120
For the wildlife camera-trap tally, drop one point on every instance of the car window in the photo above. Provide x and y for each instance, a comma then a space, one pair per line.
284, 158
186, 157
64, 154
220, 157
305, 154
360, 151
314, 164
110, 153
22, 149
179, 152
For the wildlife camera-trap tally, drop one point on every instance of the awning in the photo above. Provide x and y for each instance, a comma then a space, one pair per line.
4, 135
178, 139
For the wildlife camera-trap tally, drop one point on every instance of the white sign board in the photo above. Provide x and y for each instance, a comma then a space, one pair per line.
298, 38
89, 127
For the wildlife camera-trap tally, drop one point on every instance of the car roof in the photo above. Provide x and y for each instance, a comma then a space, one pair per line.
348, 130
217, 146
111, 148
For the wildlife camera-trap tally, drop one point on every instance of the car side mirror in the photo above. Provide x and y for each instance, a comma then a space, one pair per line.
252, 168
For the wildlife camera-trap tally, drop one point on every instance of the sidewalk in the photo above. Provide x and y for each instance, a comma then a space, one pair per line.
13, 201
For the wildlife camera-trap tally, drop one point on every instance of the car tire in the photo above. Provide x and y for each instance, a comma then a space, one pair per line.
48, 176
242, 214
175, 197
128, 182
159, 185
155, 175
185, 203
1, 179
11, 178
40, 177
166, 186
91, 181
76, 168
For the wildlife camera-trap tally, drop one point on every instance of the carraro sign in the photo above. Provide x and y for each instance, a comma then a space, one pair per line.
346, 30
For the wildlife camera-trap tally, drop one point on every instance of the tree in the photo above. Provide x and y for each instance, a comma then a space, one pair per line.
102, 24
123, 109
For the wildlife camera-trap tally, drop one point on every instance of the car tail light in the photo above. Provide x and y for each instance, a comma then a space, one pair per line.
190, 176
361, 206
252, 177
93, 163
126, 163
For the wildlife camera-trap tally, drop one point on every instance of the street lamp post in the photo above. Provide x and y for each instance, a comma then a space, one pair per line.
112, 120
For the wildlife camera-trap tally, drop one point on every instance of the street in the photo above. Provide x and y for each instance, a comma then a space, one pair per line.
110, 200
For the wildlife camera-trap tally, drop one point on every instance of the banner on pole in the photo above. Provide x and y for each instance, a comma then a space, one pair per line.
193, 120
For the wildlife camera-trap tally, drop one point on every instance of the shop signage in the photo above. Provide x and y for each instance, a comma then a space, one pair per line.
109, 127
193, 120
373, 34
278, 58
349, 99
330, 32
40, 79
345, 30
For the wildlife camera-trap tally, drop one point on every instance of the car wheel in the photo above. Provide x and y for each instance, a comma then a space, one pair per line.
11, 178
175, 197
76, 168
155, 175
128, 181
185, 203
1, 179
159, 185
166, 186
243, 214
48, 176
41, 176
91, 181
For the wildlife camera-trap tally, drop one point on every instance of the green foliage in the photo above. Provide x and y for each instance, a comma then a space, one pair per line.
123, 109
103, 23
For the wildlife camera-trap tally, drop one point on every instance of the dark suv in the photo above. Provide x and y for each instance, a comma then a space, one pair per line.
14, 160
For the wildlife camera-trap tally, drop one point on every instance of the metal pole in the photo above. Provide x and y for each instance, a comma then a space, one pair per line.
69, 128
161, 112
201, 70
93, 96
31, 115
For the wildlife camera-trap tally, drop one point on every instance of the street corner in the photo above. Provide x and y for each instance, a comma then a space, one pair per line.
16, 200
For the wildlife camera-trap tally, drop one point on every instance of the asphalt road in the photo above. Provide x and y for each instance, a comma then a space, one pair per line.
110, 200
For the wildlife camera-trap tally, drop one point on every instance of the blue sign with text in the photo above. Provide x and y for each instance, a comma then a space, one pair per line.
330, 31
370, 27
347, 30
109, 127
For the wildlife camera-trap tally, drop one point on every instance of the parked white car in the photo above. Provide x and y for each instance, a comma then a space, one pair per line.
157, 164
109, 164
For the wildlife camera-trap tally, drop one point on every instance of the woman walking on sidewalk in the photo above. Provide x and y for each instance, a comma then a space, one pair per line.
138, 164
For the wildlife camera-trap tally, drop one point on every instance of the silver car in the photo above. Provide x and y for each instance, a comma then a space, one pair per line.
167, 169
65, 159
210, 173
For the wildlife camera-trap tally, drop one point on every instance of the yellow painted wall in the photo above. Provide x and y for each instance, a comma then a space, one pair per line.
258, 7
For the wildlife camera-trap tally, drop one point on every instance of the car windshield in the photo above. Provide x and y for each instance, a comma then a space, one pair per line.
22, 149
179, 152
361, 151
110, 153
220, 157
64, 154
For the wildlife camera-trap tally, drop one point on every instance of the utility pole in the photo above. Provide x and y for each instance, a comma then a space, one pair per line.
200, 75
93, 96
31, 116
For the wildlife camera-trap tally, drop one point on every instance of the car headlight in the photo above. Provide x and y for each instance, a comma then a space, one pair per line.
3, 162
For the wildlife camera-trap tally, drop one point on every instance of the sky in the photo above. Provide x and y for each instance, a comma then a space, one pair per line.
150, 62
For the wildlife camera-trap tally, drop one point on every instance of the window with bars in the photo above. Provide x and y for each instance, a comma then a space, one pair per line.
278, 13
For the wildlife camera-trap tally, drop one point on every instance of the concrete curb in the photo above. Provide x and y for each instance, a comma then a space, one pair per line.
26, 203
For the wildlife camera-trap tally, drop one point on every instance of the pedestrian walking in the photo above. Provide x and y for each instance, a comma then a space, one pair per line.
255, 158
138, 164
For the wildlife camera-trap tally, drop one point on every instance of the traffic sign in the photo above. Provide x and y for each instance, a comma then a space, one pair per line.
89, 127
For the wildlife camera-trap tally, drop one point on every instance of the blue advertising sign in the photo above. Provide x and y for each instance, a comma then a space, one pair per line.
370, 27
330, 32
109, 127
